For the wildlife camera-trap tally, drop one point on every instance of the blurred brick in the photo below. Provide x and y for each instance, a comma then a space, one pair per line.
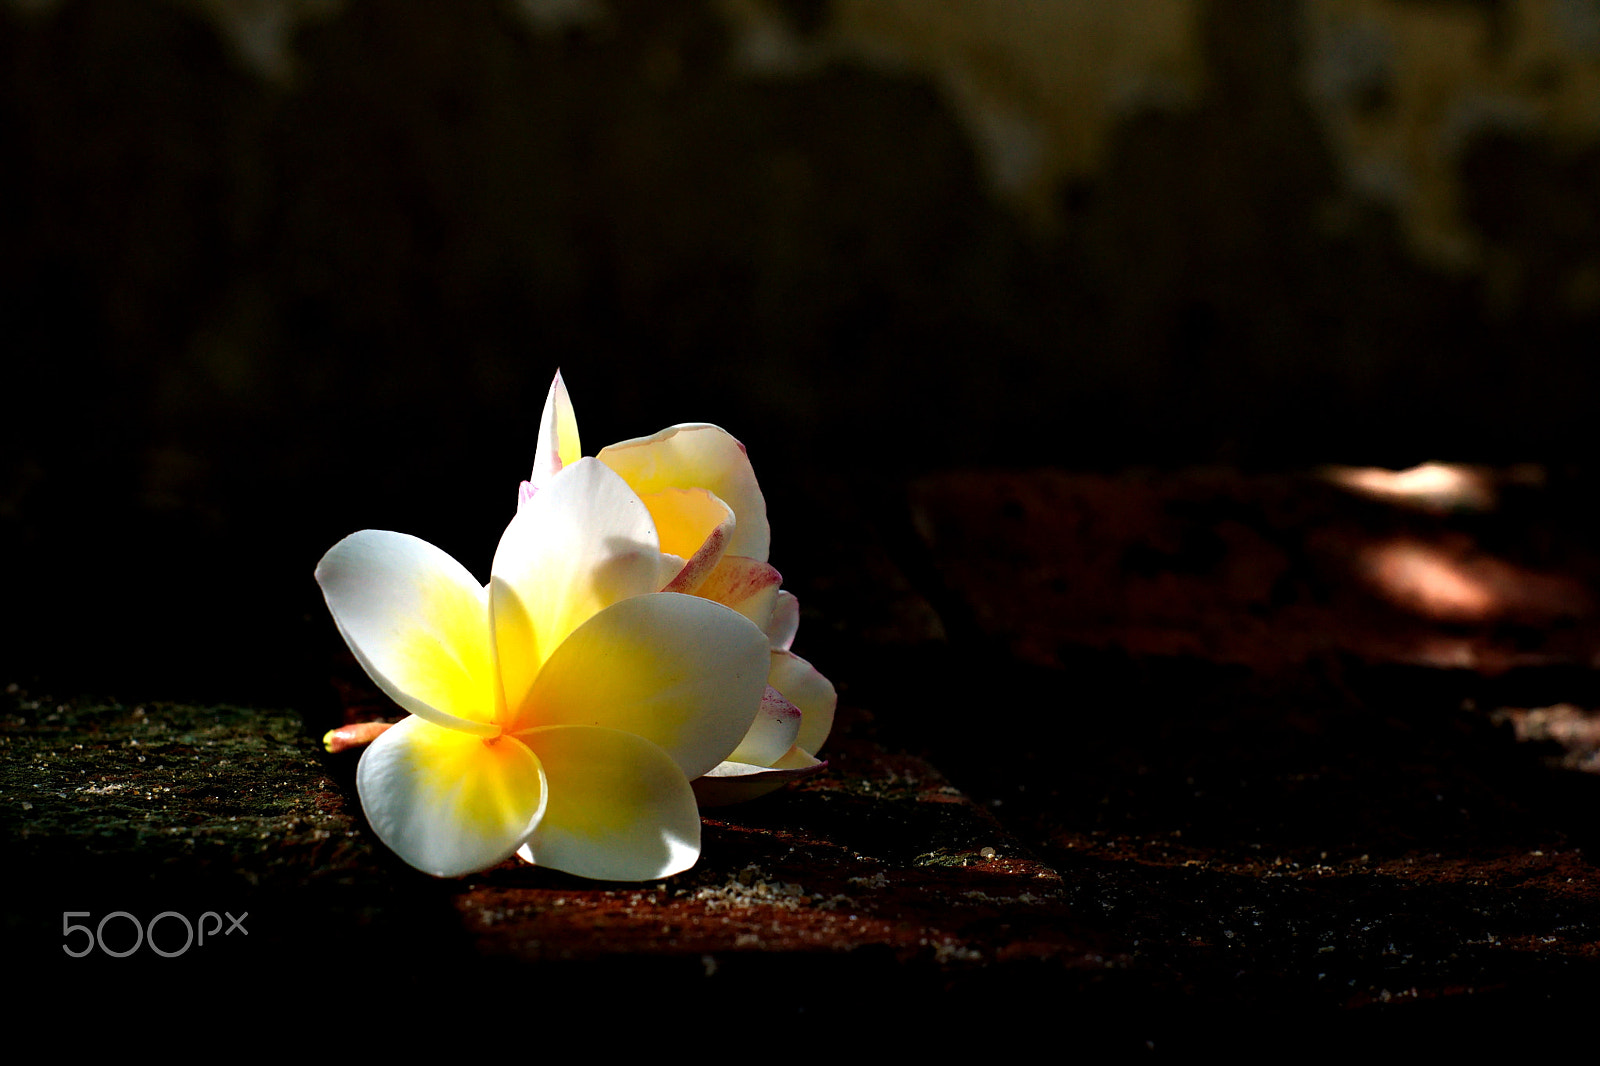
1268, 571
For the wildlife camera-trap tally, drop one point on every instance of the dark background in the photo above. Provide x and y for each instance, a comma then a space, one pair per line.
274, 272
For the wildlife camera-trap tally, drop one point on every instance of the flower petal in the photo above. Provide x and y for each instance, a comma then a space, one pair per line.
581, 544
698, 456
417, 622
558, 438
803, 686
447, 802
695, 526
747, 585
733, 782
683, 672
684, 518
772, 734
620, 809
785, 621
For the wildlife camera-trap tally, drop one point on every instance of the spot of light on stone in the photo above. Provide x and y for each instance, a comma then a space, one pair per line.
1453, 581
1435, 487
1429, 581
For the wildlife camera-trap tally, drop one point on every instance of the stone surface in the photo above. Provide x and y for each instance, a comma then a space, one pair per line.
1280, 774
173, 808
1269, 571
1157, 832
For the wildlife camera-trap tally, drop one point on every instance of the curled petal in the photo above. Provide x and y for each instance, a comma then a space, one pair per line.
447, 802
620, 809
417, 622
686, 517
747, 585
803, 686
785, 621
683, 672
698, 456
558, 440
581, 544
772, 734
733, 782
695, 526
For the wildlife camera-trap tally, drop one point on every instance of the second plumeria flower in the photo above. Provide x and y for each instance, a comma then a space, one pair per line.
701, 491
558, 713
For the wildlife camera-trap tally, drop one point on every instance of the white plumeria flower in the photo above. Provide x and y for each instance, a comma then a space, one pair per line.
559, 713
698, 484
